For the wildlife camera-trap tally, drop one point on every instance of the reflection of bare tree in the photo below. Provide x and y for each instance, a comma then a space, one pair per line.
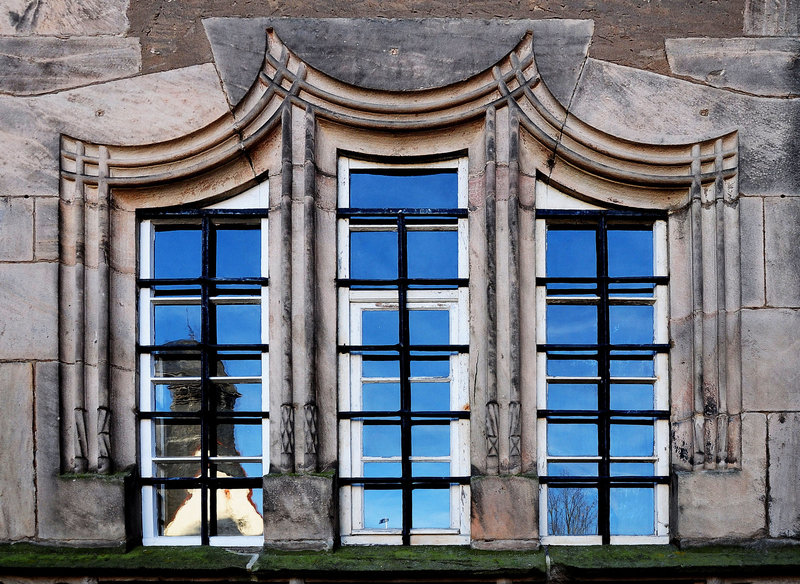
571, 511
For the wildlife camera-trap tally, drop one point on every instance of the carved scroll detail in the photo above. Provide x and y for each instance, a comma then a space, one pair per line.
310, 411
492, 424
287, 430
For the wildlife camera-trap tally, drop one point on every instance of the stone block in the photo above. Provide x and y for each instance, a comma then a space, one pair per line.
16, 229
781, 232
763, 66
29, 311
18, 476
771, 18
725, 505
751, 227
783, 431
504, 512
770, 345
46, 225
64, 17
298, 512
34, 65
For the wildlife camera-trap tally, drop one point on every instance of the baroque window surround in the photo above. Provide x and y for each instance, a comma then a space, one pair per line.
289, 129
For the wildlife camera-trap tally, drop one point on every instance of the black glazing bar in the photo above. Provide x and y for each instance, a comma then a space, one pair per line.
602, 347
194, 349
396, 283
405, 375
410, 212
403, 348
148, 282
605, 481
409, 482
202, 213
604, 393
656, 414
599, 214
248, 415
205, 389
444, 415
542, 280
195, 483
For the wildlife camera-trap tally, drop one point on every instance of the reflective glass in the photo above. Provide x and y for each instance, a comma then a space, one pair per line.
380, 397
373, 255
571, 396
239, 511
173, 323
238, 397
430, 508
632, 469
421, 190
174, 365
430, 469
238, 324
572, 469
432, 254
243, 365
233, 468
632, 511
631, 324
437, 368
238, 439
429, 327
380, 327
238, 252
619, 366
383, 469
558, 366
573, 439
430, 396
383, 508
430, 440
632, 396
630, 252
571, 324
631, 289
384, 369
381, 440
177, 469
631, 440
177, 252
178, 511
571, 510
571, 253
176, 437
179, 396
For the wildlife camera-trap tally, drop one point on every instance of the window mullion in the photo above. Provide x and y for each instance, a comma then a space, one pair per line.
205, 390
603, 353
405, 374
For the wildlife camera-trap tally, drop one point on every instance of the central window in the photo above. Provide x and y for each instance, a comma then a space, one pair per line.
403, 343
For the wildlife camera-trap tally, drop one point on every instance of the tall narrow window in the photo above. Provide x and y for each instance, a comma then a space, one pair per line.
403, 334
203, 372
603, 351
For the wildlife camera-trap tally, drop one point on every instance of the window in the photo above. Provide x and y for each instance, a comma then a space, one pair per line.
403, 343
602, 362
203, 372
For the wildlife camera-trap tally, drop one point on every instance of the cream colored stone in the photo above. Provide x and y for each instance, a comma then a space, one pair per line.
46, 225
65, 17
16, 229
28, 311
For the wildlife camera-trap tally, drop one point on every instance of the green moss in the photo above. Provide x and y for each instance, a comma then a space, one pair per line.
114, 477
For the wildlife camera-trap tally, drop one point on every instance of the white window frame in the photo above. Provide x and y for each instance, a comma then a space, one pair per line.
548, 197
256, 198
351, 305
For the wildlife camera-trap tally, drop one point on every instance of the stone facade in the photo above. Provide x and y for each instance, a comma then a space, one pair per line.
108, 108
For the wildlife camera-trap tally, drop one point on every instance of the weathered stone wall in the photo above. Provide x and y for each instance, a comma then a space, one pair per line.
111, 72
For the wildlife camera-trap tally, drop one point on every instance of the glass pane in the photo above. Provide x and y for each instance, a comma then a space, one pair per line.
389, 368
630, 367
238, 439
632, 511
172, 365
572, 439
383, 508
177, 469
180, 396
224, 469
432, 254
393, 191
430, 397
238, 252
571, 396
240, 511
380, 397
631, 289
632, 396
559, 366
383, 469
631, 324
381, 440
239, 365
373, 255
238, 324
430, 440
177, 252
571, 323
176, 437
572, 469
429, 327
380, 327
572, 510
430, 469
238, 397
571, 253
173, 323
178, 511
438, 368
632, 469
630, 252
631, 440
430, 508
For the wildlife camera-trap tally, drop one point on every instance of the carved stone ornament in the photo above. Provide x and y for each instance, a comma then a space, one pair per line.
289, 129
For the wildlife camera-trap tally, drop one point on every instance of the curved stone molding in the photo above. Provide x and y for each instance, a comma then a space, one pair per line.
525, 135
